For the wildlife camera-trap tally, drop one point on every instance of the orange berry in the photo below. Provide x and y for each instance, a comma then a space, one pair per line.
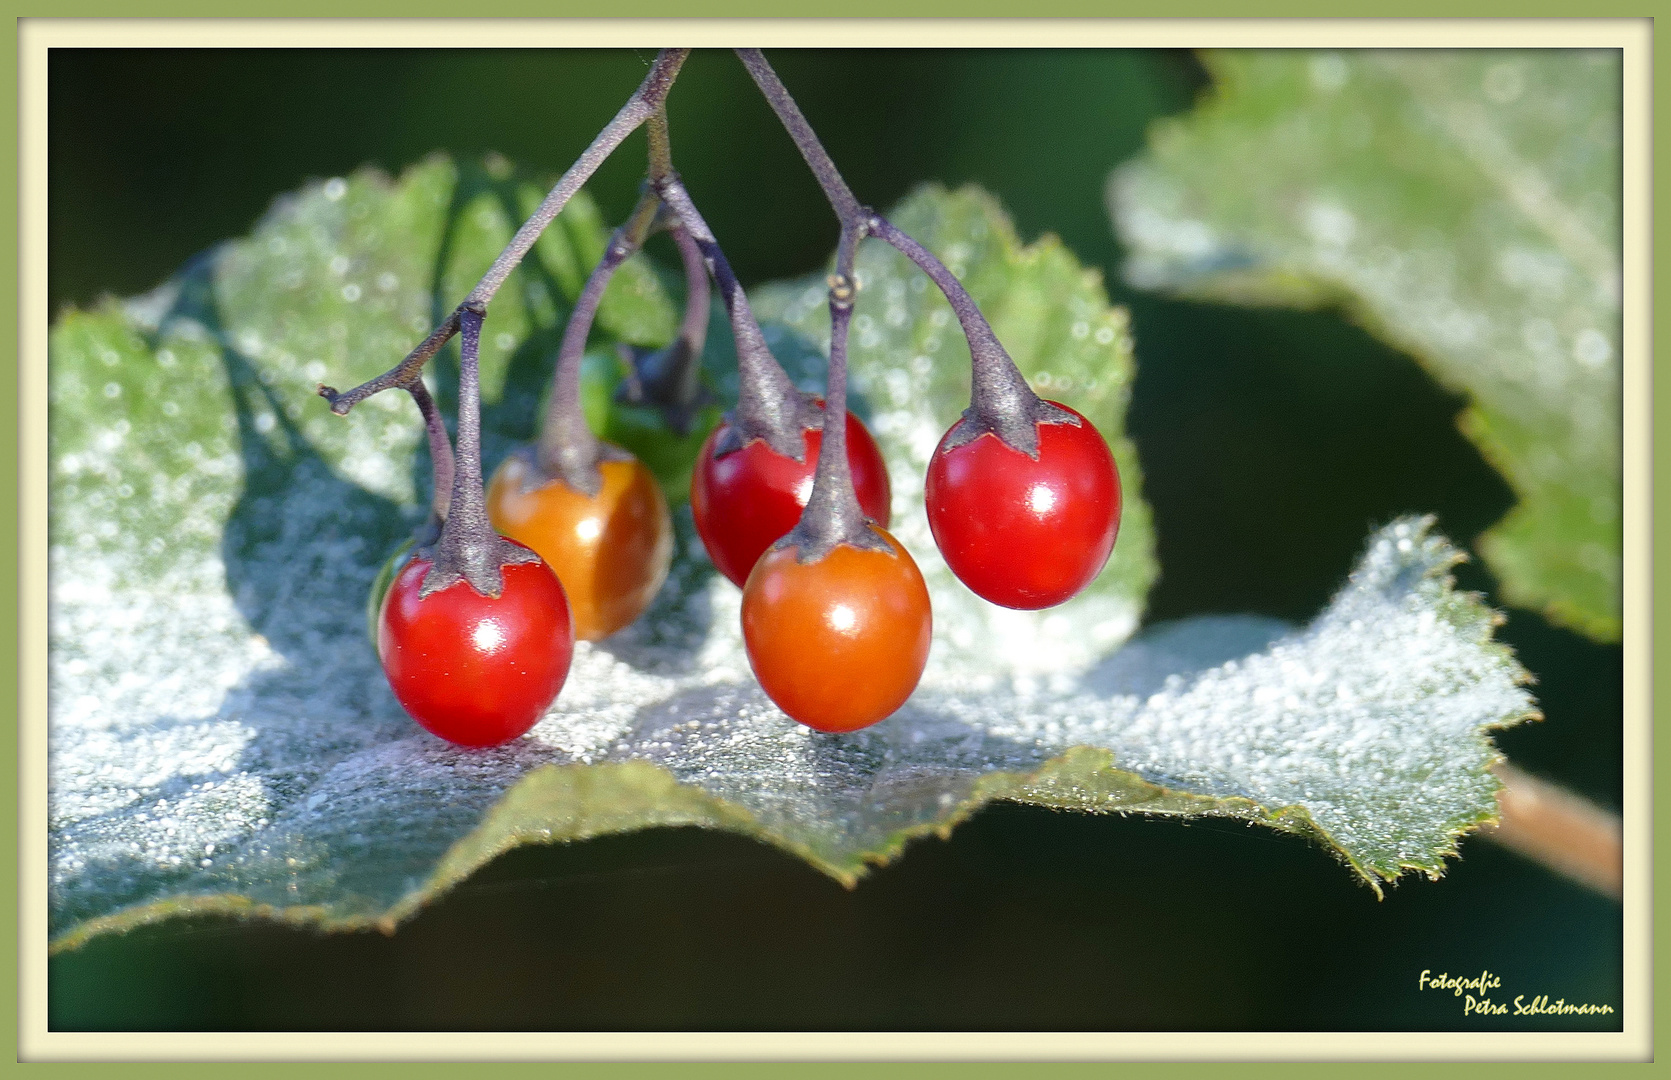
839, 643
611, 551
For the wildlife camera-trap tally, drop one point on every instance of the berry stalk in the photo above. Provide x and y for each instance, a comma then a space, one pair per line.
768, 405
568, 450
693, 328
670, 379
645, 103
468, 548
1001, 402
832, 516
440, 462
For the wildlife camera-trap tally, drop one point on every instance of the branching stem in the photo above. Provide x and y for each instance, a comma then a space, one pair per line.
1001, 401
402, 374
645, 103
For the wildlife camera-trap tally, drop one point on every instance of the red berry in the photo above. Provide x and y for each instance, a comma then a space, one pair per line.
473, 669
839, 643
1022, 533
743, 502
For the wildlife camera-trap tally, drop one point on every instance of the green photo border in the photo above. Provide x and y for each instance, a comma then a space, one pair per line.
22, 652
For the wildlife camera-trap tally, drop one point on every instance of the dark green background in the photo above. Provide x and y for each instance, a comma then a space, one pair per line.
1272, 443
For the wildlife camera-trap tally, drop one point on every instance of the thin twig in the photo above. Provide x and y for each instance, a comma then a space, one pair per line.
644, 104
661, 146
1560, 830
402, 374
1001, 402
840, 196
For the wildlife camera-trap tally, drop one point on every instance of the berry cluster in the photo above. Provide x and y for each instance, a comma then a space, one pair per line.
475, 618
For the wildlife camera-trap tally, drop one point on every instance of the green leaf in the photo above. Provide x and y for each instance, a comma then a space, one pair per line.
1463, 205
223, 740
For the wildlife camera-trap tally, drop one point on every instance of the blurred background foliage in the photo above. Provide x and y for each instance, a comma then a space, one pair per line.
1271, 441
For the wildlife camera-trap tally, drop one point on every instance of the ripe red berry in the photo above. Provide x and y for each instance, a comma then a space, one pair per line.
743, 502
841, 642
473, 669
1022, 533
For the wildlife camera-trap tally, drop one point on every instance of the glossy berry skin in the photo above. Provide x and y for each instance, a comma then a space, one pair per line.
476, 670
386, 574
611, 551
743, 502
839, 643
1022, 533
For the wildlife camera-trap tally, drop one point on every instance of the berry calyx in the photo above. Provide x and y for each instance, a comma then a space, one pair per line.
839, 643
611, 550
1024, 531
476, 670
567, 448
745, 500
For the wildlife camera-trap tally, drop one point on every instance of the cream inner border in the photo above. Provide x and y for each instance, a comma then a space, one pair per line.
1633, 36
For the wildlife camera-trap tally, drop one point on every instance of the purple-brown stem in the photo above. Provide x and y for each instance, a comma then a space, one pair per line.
468, 549
646, 102
768, 405
567, 449
440, 462
404, 373
1001, 401
641, 107
840, 196
669, 379
694, 328
832, 515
